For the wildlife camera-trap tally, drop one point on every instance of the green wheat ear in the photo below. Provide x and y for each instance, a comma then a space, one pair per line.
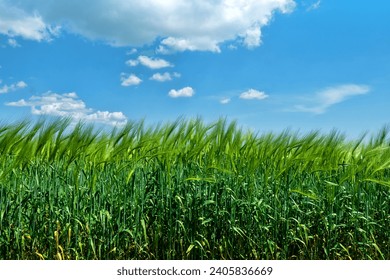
191, 190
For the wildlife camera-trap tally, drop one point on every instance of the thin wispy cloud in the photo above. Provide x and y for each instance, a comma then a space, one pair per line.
184, 92
132, 51
225, 101
314, 6
323, 100
13, 43
69, 105
130, 80
13, 87
179, 25
253, 94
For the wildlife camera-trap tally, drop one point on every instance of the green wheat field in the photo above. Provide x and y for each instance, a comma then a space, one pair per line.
191, 190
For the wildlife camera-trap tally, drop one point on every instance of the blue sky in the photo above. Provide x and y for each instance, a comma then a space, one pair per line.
269, 64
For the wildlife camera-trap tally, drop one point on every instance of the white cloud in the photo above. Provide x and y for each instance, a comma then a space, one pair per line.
331, 96
132, 51
21, 84
164, 77
171, 44
13, 43
68, 105
110, 118
184, 92
178, 25
252, 37
161, 77
253, 94
153, 63
225, 101
132, 62
15, 21
12, 87
314, 6
130, 80
232, 47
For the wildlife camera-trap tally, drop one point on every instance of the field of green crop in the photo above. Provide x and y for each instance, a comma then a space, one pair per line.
190, 190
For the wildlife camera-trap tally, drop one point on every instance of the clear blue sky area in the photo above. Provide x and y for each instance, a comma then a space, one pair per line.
269, 64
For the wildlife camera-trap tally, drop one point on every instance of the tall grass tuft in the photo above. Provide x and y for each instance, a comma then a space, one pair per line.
190, 190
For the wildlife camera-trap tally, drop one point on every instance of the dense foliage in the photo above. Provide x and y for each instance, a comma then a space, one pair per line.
190, 190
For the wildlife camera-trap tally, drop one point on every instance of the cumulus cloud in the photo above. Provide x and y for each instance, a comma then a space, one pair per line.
164, 77
14, 21
152, 63
12, 87
252, 37
177, 25
253, 94
110, 118
130, 80
328, 97
161, 77
69, 105
184, 92
132, 62
171, 44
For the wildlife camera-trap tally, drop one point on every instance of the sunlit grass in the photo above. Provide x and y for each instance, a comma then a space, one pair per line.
190, 190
